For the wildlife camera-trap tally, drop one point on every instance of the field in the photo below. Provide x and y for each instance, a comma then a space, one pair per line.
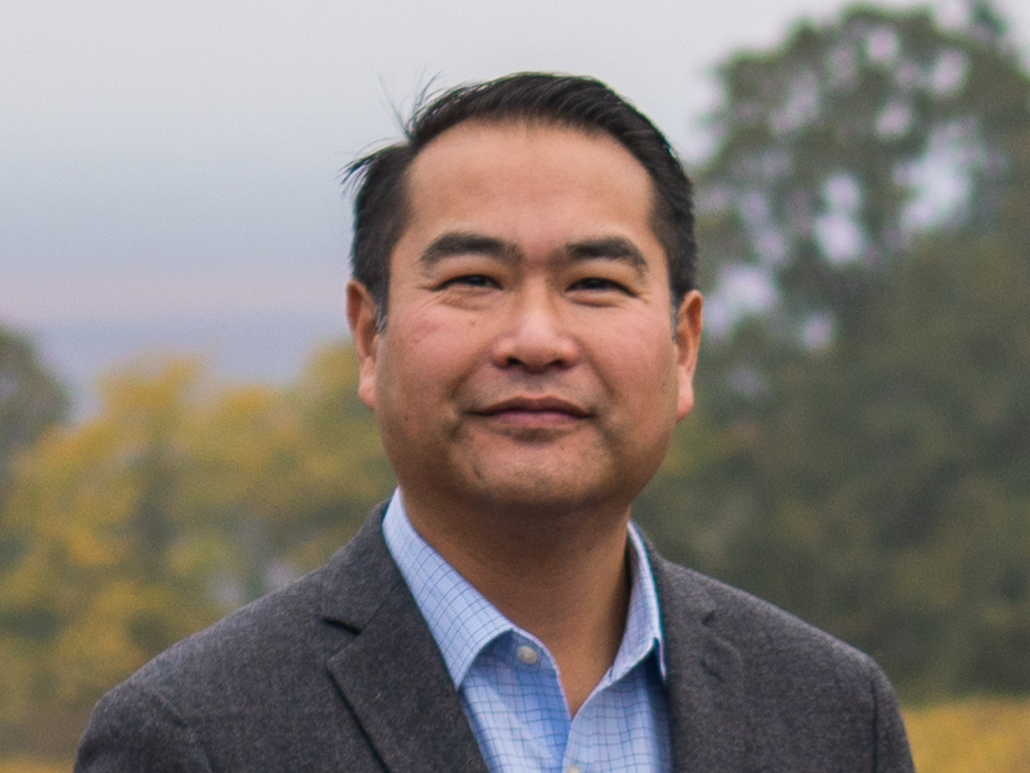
973, 736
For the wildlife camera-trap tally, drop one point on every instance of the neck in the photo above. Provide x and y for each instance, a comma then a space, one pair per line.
564, 577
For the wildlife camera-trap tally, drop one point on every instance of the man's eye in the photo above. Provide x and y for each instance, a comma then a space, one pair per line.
597, 284
471, 280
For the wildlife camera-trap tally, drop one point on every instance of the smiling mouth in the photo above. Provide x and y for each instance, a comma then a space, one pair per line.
533, 404
542, 412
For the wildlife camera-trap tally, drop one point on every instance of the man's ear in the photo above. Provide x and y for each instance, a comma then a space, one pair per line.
361, 314
688, 341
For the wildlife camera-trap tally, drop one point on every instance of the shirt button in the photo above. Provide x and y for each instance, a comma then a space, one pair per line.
528, 655
574, 768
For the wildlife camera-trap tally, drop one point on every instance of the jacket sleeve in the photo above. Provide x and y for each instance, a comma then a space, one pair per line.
134, 729
892, 751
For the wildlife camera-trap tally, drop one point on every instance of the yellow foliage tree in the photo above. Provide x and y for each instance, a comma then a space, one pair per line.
179, 501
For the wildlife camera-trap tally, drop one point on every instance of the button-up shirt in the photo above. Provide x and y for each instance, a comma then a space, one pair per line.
509, 685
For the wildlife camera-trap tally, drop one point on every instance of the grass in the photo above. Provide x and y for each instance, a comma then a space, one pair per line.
985, 735
21, 765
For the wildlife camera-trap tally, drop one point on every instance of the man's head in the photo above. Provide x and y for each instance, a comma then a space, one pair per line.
526, 365
381, 206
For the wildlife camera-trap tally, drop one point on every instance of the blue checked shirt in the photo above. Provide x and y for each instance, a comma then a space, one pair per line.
508, 682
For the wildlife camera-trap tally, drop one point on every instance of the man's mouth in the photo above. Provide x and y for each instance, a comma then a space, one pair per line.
535, 411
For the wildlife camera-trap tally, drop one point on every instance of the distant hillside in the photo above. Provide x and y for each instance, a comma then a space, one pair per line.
271, 348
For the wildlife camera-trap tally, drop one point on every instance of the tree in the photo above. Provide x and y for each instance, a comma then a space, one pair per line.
179, 501
863, 434
836, 152
31, 399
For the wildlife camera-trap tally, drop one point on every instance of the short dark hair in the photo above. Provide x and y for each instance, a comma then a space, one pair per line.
586, 104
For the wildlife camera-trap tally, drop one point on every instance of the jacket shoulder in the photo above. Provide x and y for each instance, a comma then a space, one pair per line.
758, 625
803, 695
254, 687
758, 629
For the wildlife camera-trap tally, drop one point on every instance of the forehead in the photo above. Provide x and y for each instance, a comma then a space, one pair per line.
526, 166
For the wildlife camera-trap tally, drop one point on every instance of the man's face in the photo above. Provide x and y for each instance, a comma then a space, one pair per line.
528, 358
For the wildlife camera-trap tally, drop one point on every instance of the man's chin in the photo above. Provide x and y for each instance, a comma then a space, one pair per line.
544, 488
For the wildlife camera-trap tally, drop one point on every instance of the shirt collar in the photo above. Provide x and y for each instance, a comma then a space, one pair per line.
463, 622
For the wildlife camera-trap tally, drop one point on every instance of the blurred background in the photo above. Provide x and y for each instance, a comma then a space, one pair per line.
179, 432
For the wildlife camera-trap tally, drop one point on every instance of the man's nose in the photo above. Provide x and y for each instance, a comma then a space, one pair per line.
536, 335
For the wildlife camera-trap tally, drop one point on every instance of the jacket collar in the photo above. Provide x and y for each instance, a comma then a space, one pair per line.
394, 679
391, 674
705, 685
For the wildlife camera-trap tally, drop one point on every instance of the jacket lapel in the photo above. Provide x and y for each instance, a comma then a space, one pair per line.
394, 680
705, 680
391, 674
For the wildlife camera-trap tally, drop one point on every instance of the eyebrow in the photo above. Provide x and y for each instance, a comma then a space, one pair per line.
607, 248
453, 244
456, 243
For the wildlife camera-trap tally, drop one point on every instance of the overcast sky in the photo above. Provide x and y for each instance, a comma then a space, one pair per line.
180, 159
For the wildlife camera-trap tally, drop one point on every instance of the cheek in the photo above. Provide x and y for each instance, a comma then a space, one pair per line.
641, 381
427, 356
641, 361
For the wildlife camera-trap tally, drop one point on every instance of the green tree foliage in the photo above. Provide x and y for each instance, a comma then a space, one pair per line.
838, 151
178, 502
862, 444
31, 399
882, 491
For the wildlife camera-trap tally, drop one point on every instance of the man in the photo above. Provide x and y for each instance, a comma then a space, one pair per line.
527, 326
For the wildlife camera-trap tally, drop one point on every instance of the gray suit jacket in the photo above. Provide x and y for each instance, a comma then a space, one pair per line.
339, 672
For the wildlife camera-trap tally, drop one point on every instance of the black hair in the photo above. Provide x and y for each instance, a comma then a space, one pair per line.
586, 104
